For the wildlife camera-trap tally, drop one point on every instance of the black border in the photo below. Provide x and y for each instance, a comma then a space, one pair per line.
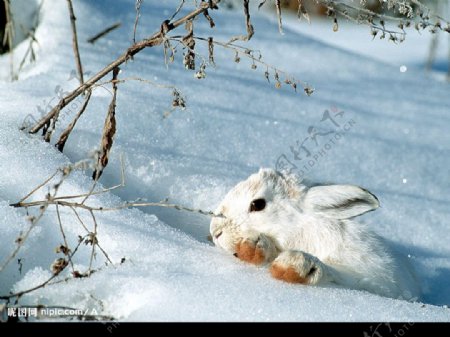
367, 329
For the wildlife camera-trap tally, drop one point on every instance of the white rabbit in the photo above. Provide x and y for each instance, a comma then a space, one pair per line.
306, 236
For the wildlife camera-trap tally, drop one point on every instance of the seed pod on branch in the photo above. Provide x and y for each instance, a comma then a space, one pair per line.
109, 130
58, 265
211, 51
189, 43
178, 100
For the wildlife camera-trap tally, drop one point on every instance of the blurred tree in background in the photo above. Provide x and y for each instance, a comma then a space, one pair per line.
2, 27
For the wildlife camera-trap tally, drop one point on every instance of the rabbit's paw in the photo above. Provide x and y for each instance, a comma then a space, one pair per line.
297, 267
256, 249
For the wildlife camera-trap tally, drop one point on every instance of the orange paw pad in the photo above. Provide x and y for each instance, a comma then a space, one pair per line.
249, 252
286, 274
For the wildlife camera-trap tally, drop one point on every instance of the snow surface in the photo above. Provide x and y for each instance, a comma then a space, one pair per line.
399, 148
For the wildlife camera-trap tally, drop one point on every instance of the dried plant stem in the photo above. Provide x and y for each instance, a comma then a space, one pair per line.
43, 284
76, 51
33, 220
365, 11
87, 230
420, 5
23, 292
21, 240
346, 15
50, 281
39, 186
42, 209
66, 133
79, 219
138, 79
66, 245
154, 40
91, 191
180, 6
105, 31
115, 208
89, 238
249, 54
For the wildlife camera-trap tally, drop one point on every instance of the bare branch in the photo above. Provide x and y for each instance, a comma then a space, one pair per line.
75, 42
154, 40
79, 218
115, 208
23, 237
61, 264
65, 134
43, 284
180, 6
88, 232
257, 59
21, 293
39, 186
209, 18
107, 30
91, 191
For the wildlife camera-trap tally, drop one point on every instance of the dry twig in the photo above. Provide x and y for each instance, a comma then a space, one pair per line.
107, 30
66, 133
154, 40
76, 51
90, 237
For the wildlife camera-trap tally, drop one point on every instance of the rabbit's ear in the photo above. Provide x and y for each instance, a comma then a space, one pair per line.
339, 201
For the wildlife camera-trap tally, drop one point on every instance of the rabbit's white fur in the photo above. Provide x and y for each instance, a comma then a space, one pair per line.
307, 237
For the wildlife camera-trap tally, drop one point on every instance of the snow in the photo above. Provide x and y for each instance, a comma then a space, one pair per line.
398, 148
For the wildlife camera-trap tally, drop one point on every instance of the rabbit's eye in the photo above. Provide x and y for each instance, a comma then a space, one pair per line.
257, 205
